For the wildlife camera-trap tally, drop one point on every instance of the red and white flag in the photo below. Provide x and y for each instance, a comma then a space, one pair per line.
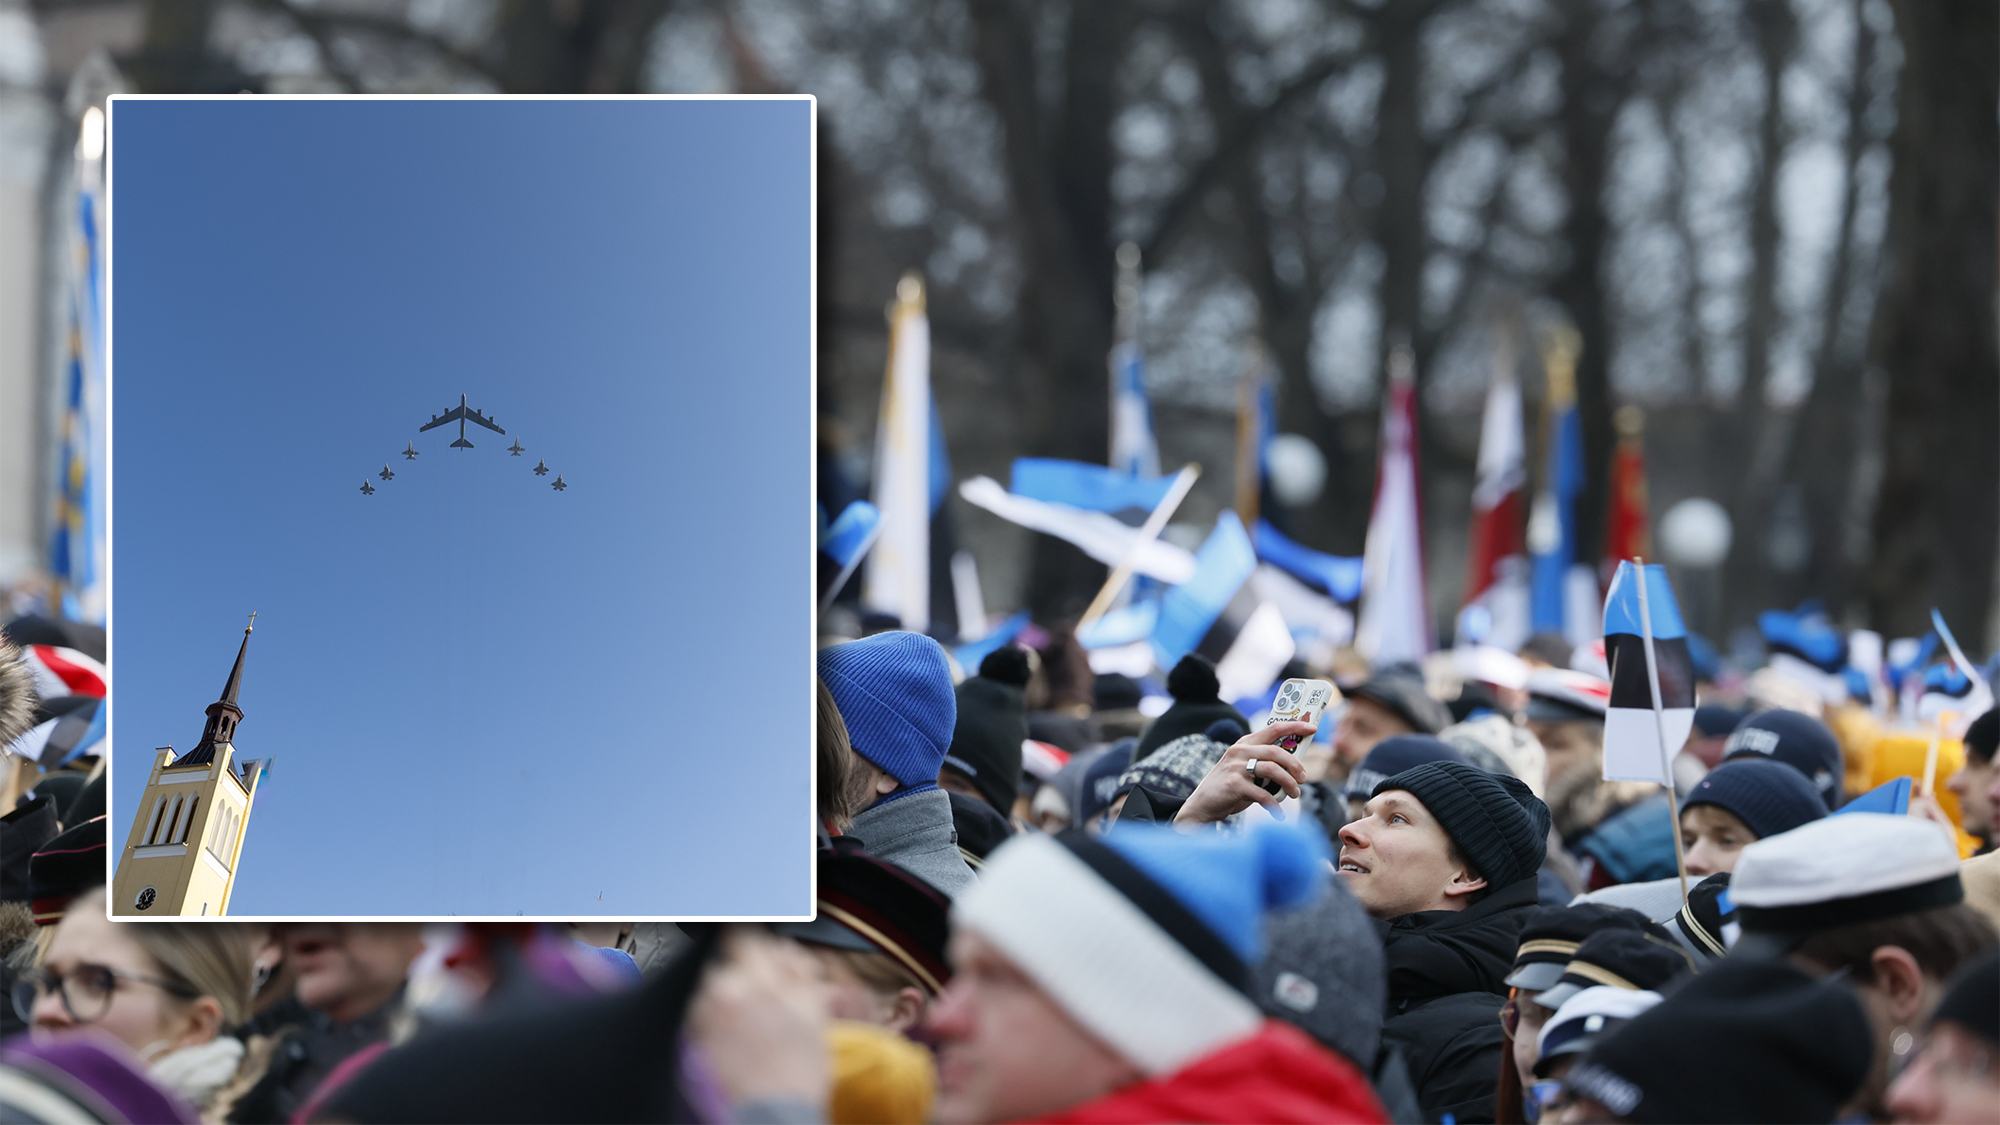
1395, 614
1496, 577
64, 671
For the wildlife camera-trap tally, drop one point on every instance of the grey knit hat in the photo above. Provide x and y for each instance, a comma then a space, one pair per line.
1501, 827
1175, 768
1323, 973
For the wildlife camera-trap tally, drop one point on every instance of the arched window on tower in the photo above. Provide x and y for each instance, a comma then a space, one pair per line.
153, 822
167, 825
187, 820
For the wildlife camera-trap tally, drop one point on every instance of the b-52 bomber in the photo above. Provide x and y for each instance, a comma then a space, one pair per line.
460, 414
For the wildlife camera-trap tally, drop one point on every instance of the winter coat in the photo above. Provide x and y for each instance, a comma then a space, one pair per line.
1276, 1075
1633, 845
914, 832
1447, 972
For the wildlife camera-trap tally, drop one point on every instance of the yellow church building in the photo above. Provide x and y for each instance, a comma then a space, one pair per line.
187, 832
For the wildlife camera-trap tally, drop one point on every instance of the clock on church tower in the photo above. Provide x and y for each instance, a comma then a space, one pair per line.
187, 831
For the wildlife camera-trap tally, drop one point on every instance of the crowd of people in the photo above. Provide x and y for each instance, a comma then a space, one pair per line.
1048, 895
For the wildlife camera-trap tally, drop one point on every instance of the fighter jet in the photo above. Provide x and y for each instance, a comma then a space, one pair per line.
516, 448
367, 489
410, 452
559, 485
460, 414
541, 470
385, 474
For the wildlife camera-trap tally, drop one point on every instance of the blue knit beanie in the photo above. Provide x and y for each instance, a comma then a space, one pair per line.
894, 693
1769, 797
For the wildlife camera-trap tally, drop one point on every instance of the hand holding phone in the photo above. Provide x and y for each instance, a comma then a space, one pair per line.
1299, 701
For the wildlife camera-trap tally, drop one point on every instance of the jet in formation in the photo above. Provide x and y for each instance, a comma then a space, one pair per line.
461, 414
410, 451
559, 485
367, 489
515, 449
541, 470
385, 474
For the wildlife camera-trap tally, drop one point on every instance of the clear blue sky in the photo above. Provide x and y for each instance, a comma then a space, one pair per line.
484, 696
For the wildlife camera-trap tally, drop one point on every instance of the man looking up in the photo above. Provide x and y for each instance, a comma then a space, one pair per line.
1445, 860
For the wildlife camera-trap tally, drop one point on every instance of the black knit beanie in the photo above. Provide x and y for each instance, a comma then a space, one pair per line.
1197, 703
1498, 823
992, 724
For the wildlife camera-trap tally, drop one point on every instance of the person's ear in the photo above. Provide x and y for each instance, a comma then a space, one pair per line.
1900, 981
199, 1022
885, 784
906, 1010
1464, 882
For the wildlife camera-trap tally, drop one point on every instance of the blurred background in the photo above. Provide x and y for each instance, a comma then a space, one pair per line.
1748, 246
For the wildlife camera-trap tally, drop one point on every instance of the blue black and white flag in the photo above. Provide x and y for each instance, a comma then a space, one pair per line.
847, 538
1093, 488
1337, 576
1218, 613
76, 541
1134, 451
1632, 733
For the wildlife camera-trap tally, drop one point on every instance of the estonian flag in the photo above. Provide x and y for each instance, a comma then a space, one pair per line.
66, 727
1632, 750
1218, 614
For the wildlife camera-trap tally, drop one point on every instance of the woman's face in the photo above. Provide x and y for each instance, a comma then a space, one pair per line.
143, 1016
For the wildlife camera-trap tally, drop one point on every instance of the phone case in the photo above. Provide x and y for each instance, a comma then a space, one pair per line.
1301, 701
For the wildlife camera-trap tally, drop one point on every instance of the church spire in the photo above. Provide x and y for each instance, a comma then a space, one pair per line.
223, 714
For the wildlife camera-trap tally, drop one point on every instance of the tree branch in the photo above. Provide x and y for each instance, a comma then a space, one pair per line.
321, 25
1234, 145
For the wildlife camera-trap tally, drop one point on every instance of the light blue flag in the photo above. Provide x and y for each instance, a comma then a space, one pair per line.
969, 655
1122, 626
846, 537
1340, 577
1892, 796
1188, 611
1079, 484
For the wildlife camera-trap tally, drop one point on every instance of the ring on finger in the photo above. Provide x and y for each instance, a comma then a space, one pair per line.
1250, 767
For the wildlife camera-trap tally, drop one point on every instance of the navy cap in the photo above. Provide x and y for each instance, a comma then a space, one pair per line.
1629, 959
1392, 756
1800, 741
1768, 797
1552, 936
1713, 720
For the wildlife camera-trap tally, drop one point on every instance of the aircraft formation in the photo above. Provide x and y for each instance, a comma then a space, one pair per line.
462, 413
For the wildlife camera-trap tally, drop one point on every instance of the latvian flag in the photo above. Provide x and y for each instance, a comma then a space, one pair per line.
1218, 613
1632, 750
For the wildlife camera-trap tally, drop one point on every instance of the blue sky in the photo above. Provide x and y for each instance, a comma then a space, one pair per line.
483, 696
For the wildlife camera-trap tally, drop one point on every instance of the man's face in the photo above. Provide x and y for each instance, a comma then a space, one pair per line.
1007, 1051
348, 970
1397, 860
1714, 838
1955, 1079
1975, 808
1570, 746
1362, 725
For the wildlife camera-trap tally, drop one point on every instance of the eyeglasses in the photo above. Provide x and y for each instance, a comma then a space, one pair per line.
1543, 1098
86, 990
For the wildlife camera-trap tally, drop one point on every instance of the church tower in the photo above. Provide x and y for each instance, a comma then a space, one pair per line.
187, 832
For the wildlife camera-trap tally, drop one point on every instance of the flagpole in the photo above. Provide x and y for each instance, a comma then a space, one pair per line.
853, 564
1155, 523
1931, 754
1660, 721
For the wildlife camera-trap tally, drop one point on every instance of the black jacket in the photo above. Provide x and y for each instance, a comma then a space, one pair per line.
1446, 984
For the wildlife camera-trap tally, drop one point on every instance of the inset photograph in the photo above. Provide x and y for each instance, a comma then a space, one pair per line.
461, 537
